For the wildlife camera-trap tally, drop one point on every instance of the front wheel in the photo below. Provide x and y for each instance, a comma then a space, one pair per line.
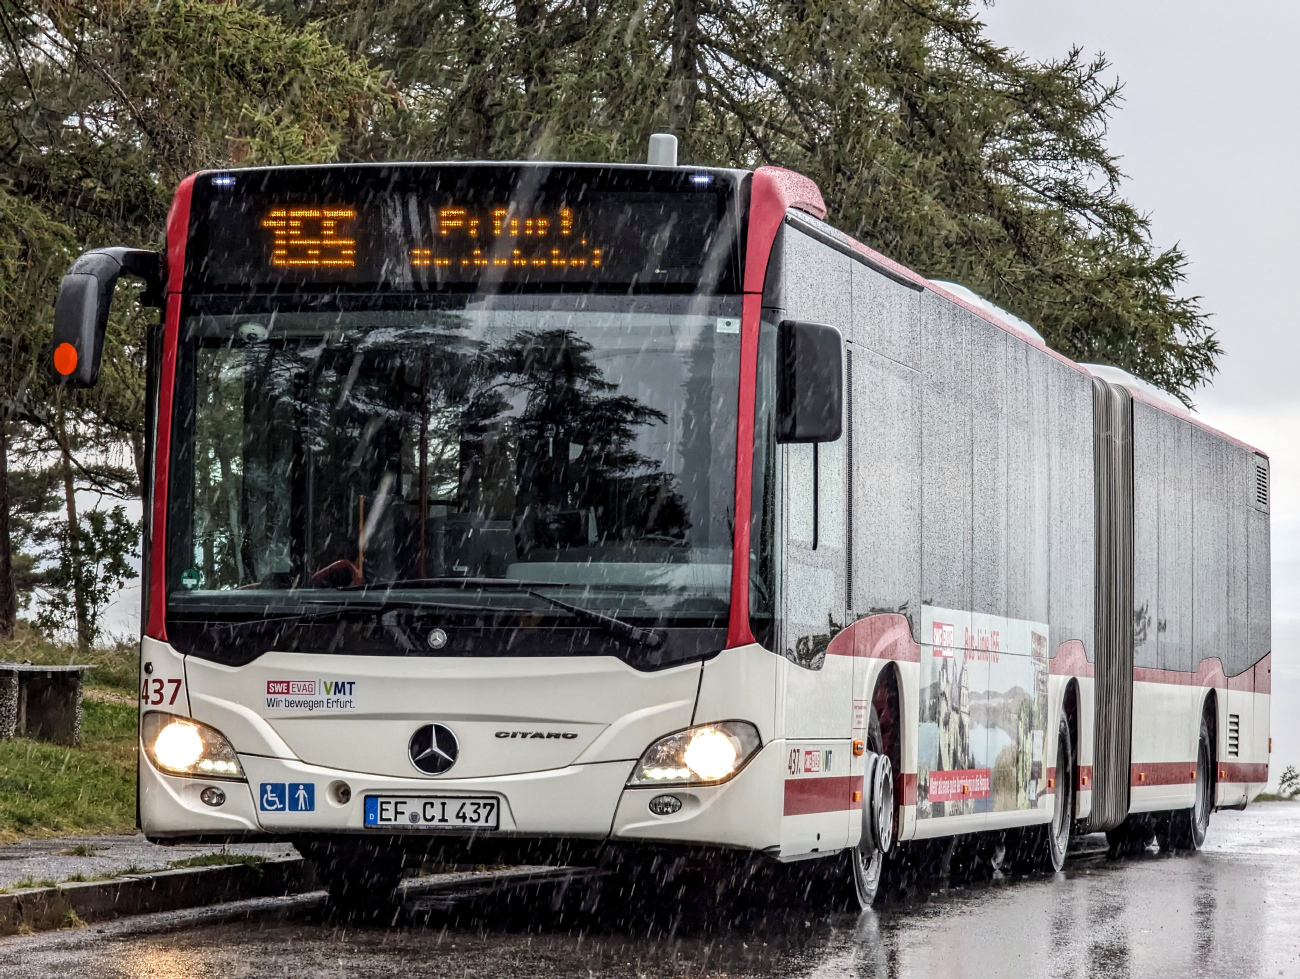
363, 881
867, 859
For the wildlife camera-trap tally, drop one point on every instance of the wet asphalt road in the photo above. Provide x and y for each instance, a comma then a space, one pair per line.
1231, 910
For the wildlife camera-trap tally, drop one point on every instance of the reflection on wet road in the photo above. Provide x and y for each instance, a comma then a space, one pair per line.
1232, 910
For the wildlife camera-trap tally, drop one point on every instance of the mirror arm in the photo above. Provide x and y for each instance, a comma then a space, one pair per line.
82, 307
817, 493
140, 262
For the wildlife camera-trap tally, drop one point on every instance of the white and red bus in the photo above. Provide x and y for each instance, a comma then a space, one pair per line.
499, 507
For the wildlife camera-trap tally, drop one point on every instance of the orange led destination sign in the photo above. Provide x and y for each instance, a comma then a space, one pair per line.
311, 237
430, 229
498, 237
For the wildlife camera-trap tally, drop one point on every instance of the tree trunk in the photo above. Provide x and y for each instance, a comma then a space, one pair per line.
140, 458
8, 594
683, 70
74, 539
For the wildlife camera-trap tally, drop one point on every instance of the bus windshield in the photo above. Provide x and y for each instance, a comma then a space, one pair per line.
457, 452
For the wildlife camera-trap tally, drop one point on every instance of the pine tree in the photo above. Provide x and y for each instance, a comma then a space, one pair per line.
103, 109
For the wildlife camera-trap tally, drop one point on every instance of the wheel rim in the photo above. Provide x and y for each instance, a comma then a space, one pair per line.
1064, 798
868, 858
868, 863
882, 803
1203, 775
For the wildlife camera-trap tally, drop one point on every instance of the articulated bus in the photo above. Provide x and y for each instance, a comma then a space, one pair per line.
522, 508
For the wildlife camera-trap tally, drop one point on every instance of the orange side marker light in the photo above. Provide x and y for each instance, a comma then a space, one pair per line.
859, 748
65, 358
1142, 776
1051, 783
857, 796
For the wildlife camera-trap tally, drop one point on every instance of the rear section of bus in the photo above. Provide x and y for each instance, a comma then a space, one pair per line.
443, 504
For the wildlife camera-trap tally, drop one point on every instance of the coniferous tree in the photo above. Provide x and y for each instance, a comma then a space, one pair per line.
930, 142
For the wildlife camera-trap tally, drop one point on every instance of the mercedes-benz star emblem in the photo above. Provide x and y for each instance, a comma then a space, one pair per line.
434, 749
437, 639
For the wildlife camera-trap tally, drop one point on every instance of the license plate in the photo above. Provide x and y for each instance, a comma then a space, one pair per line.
433, 811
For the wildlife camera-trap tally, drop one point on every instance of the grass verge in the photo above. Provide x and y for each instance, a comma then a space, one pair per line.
51, 790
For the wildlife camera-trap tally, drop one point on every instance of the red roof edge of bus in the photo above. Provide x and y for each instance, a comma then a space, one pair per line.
772, 192
178, 230
1187, 416
1010, 328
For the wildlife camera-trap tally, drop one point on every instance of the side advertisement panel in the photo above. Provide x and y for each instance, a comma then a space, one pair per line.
983, 713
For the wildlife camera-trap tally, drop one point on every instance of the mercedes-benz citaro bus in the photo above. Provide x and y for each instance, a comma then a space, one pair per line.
507, 509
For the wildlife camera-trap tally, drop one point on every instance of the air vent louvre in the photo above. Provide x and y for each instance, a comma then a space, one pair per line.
1261, 485
1234, 735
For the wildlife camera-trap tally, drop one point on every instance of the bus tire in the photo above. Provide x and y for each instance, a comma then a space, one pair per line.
363, 881
1185, 829
1058, 830
867, 859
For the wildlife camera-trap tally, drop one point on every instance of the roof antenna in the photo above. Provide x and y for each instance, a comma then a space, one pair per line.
663, 150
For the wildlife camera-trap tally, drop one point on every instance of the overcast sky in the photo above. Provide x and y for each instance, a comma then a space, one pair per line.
1208, 133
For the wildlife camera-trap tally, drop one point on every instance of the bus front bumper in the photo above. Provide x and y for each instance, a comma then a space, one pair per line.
590, 801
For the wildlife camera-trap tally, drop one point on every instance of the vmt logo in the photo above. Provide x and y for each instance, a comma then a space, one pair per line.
310, 688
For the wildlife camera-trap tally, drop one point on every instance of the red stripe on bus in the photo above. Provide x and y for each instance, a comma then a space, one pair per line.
178, 232
1210, 674
772, 192
810, 795
1242, 771
1162, 773
909, 788
1083, 774
1070, 660
886, 636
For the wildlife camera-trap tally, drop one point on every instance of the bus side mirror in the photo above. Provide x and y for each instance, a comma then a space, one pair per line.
81, 309
810, 382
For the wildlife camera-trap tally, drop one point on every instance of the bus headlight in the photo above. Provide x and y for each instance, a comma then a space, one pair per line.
699, 755
181, 746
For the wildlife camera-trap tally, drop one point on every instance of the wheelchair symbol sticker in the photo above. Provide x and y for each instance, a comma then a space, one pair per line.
273, 797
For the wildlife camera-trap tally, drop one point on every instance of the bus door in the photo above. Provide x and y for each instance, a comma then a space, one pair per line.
818, 688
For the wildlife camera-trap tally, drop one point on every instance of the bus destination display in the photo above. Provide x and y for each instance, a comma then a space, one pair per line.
319, 237
483, 230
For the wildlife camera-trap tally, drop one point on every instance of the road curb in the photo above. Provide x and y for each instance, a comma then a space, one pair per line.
45, 908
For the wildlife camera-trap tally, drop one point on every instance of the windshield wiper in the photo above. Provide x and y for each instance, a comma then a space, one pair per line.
612, 625
513, 584
615, 627
338, 610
